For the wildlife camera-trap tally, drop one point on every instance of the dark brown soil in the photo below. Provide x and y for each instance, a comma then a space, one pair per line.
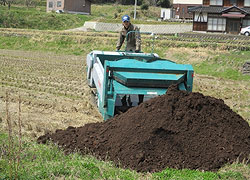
177, 130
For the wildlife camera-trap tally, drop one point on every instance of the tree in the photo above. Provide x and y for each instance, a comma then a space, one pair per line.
144, 7
3, 2
163, 3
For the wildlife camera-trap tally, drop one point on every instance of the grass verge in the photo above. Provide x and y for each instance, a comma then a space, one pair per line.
37, 18
40, 161
227, 65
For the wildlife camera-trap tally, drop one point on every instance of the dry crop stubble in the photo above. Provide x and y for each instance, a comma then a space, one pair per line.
188, 55
52, 88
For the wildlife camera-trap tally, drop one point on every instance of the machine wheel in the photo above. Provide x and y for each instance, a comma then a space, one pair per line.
246, 33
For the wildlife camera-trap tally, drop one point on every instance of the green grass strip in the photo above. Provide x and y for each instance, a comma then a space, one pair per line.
38, 19
39, 161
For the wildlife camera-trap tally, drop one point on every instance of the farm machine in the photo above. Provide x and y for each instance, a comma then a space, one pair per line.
122, 79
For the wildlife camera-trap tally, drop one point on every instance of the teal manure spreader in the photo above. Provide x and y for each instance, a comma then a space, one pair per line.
122, 80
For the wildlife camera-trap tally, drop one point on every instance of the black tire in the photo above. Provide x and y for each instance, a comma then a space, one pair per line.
247, 33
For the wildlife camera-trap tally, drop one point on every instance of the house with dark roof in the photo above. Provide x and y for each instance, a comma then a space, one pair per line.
181, 8
226, 16
70, 6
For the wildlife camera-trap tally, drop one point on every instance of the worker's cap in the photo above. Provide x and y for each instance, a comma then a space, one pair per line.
125, 18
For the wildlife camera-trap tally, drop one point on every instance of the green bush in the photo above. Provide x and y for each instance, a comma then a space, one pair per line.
164, 3
132, 14
144, 7
119, 10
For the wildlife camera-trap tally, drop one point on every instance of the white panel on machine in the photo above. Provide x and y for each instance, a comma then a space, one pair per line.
89, 60
98, 75
89, 65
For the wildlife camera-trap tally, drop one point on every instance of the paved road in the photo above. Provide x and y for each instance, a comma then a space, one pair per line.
158, 29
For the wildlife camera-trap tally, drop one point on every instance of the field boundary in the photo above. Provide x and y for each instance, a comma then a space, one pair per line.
216, 36
116, 27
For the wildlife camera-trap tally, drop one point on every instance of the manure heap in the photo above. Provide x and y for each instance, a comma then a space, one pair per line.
177, 130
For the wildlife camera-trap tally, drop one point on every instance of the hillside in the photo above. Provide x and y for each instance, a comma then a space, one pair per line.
37, 18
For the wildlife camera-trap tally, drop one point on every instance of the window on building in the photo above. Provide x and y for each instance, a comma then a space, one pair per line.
200, 17
216, 2
59, 3
216, 24
50, 4
245, 23
247, 3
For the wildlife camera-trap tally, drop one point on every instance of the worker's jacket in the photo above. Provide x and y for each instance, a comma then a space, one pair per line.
133, 40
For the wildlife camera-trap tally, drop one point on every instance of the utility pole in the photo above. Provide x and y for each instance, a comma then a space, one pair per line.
135, 9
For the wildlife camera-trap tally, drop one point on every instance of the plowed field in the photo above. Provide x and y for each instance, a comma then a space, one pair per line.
54, 93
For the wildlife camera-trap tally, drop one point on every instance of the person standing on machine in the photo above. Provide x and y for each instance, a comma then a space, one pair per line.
133, 38
133, 45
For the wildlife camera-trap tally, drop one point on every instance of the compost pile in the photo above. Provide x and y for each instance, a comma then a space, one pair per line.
177, 130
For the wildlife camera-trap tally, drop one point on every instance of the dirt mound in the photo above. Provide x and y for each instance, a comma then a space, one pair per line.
178, 130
